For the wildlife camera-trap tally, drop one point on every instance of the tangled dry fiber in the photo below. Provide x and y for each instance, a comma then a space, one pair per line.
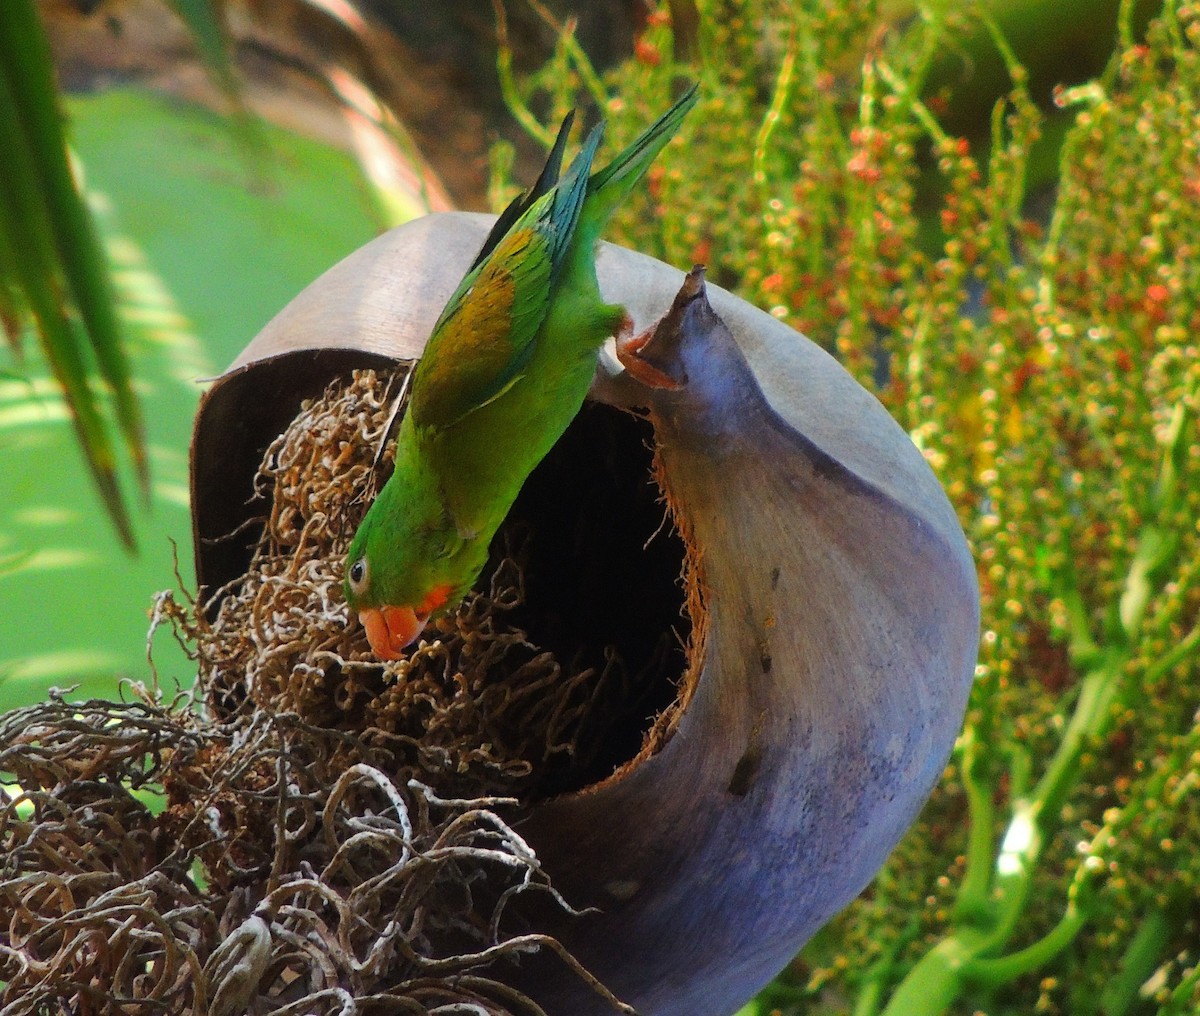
324, 835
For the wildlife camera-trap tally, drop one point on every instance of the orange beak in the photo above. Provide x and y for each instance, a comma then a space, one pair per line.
391, 629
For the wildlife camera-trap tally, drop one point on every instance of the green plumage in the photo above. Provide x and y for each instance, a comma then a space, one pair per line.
504, 373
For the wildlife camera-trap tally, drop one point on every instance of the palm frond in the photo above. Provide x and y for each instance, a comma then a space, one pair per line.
52, 266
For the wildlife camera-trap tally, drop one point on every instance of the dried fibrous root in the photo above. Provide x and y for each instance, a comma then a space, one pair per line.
327, 834
152, 860
480, 708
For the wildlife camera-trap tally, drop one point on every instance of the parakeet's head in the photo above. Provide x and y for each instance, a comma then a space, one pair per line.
402, 569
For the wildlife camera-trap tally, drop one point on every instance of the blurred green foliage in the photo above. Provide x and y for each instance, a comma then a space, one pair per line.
1025, 301
204, 246
52, 267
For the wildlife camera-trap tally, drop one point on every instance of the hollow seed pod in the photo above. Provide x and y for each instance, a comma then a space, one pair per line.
816, 600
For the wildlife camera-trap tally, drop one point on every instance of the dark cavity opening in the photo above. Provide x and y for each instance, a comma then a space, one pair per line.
603, 567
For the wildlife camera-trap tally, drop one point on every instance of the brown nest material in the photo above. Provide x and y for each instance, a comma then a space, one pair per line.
153, 862
481, 708
326, 833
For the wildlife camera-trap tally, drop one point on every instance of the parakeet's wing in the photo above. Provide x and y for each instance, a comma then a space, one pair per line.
519, 205
482, 343
485, 336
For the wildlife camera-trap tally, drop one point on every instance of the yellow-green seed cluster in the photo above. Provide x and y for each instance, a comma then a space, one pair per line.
1027, 304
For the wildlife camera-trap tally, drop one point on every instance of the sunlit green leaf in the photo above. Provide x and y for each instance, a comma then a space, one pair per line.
200, 261
49, 251
77, 245
24, 227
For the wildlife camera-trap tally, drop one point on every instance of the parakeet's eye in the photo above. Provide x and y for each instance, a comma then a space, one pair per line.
358, 575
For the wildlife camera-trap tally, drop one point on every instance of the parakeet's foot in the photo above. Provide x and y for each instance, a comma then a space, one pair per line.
629, 348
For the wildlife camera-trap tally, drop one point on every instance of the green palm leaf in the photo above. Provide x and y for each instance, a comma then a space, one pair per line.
51, 263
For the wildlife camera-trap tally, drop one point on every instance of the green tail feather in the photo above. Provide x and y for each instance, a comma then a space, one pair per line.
612, 184
523, 202
571, 194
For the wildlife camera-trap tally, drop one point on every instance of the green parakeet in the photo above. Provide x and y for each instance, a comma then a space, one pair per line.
504, 372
